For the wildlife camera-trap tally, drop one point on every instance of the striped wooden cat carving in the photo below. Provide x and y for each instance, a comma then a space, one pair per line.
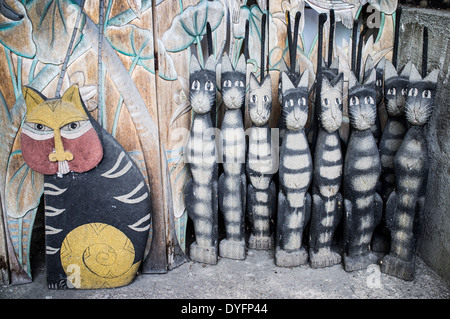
232, 182
202, 189
405, 205
362, 168
261, 189
327, 199
97, 203
295, 175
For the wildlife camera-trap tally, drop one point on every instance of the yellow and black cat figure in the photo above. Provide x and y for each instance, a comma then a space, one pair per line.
97, 203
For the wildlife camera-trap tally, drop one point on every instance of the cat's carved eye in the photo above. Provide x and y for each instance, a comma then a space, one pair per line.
379, 82
426, 94
338, 101
413, 92
227, 83
392, 91
71, 126
354, 100
289, 103
254, 98
302, 101
195, 85
241, 84
209, 86
325, 101
39, 127
266, 98
369, 100
404, 91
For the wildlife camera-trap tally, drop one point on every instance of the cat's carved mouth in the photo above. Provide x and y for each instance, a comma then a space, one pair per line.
63, 168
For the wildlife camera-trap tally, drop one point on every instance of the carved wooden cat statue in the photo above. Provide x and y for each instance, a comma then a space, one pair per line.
405, 205
395, 89
201, 192
232, 182
295, 175
362, 168
260, 168
97, 203
327, 199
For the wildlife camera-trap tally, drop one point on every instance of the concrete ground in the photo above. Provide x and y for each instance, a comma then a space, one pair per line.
256, 277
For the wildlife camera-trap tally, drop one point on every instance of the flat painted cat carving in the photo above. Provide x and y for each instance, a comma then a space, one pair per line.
295, 175
202, 189
362, 168
232, 183
327, 201
405, 205
261, 189
395, 89
97, 204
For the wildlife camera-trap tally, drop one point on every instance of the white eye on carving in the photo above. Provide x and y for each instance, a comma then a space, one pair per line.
354, 100
368, 100
338, 101
404, 91
71, 126
241, 84
254, 99
413, 92
392, 91
40, 127
289, 103
378, 82
266, 98
195, 85
325, 101
426, 94
227, 83
302, 101
209, 86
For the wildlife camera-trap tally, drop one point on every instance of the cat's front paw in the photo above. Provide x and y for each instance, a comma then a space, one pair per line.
261, 242
232, 249
399, 268
284, 258
324, 258
352, 263
207, 255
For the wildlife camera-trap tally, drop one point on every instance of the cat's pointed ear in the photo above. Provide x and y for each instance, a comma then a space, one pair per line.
389, 70
286, 83
283, 66
352, 80
432, 76
72, 95
241, 66
194, 65
414, 75
371, 79
380, 65
338, 81
226, 64
406, 69
326, 85
254, 83
32, 97
210, 64
304, 80
267, 83
335, 64
368, 64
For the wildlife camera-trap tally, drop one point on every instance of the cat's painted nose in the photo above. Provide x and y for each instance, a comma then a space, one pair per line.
59, 154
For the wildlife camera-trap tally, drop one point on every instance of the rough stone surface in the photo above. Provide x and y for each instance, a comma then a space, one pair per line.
434, 242
256, 277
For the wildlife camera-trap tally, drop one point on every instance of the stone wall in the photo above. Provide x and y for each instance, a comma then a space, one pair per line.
434, 242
